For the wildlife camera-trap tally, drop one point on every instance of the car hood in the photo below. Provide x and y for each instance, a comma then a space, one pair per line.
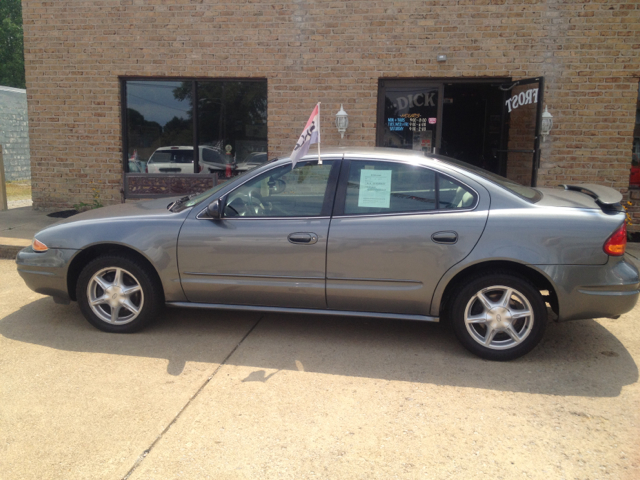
127, 224
144, 208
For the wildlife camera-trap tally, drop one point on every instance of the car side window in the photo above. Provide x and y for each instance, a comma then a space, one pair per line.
387, 187
453, 195
282, 192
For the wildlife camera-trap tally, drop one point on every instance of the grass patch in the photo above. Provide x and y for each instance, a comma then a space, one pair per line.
18, 190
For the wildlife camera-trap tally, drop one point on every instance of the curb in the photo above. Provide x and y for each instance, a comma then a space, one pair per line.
9, 251
9, 247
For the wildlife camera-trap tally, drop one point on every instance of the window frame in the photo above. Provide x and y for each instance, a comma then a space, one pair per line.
341, 192
195, 143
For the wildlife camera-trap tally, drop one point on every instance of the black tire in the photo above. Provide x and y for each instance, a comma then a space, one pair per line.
146, 294
508, 336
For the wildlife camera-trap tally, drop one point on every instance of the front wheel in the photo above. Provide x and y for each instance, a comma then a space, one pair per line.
498, 316
117, 294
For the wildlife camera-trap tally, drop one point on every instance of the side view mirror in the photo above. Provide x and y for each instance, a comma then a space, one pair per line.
214, 209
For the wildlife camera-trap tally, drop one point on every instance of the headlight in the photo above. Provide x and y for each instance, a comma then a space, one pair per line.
38, 246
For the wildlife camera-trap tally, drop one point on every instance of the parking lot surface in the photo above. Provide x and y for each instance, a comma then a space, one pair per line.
205, 394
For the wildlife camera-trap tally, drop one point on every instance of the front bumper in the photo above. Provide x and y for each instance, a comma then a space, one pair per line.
594, 291
46, 272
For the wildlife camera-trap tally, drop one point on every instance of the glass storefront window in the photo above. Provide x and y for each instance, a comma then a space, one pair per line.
229, 119
410, 117
156, 118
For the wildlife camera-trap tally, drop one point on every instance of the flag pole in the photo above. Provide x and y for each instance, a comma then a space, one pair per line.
309, 136
319, 158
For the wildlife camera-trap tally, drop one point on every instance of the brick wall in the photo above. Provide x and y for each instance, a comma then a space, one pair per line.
633, 199
328, 51
14, 134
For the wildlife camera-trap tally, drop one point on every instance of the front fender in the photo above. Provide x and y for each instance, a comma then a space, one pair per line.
154, 237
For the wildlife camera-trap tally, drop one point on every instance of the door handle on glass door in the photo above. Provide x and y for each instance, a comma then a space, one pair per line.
303, 238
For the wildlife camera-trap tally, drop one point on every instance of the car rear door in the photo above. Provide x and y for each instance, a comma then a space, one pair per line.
269, 248
397, 228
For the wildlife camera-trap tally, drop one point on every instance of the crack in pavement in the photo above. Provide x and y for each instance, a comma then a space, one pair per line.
193, 397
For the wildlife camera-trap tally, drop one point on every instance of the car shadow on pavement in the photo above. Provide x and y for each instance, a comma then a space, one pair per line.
576, 358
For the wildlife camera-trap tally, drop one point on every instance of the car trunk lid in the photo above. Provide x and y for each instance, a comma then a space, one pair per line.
583, 196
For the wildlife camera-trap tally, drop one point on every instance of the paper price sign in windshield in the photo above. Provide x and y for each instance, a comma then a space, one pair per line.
375, 188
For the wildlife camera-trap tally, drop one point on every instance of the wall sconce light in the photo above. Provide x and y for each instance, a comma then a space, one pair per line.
342, 121
441, 58
547, 123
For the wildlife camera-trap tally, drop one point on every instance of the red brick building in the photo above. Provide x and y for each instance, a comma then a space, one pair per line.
111, 81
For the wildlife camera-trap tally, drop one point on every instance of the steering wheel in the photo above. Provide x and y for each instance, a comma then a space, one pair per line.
247, 205
235, 211
254, 204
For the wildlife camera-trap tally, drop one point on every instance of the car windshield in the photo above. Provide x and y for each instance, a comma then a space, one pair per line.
530, 194
172, 156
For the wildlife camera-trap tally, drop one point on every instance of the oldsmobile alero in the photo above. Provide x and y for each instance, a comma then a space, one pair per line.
365, 232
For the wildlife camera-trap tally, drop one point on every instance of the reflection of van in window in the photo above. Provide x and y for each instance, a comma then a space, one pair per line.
251, 161
180, 160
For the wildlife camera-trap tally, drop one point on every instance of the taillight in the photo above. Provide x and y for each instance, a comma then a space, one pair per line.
617, 242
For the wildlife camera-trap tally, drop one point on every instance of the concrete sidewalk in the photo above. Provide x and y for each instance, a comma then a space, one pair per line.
248, 396
17, 228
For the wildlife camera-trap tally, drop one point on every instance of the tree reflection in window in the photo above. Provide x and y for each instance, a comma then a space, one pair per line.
231, 121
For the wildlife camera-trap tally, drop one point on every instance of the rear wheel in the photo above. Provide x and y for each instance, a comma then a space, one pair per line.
498, 316
117, 294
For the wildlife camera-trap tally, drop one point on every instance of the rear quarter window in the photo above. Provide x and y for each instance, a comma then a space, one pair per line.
453, 195
529, 194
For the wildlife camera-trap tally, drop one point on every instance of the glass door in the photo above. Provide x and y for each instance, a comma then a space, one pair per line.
493, 124
409, 115
521, 122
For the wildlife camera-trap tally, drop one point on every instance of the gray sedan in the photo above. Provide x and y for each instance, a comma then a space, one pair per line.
380, 233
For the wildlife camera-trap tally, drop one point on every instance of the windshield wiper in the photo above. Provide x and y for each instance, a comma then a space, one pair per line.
181, 200
178, 202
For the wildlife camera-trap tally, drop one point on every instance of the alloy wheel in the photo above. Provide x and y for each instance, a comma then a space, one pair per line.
115, 296
499, 317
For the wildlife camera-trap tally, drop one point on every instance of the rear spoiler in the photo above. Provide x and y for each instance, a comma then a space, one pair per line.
606, 197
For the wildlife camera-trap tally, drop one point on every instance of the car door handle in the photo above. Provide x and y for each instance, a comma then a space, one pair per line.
445, 237
303, 238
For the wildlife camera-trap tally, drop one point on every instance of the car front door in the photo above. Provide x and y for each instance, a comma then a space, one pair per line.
397, 228
269, 247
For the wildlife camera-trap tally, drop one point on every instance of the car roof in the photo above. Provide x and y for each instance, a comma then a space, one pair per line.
440, 162
373, 153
